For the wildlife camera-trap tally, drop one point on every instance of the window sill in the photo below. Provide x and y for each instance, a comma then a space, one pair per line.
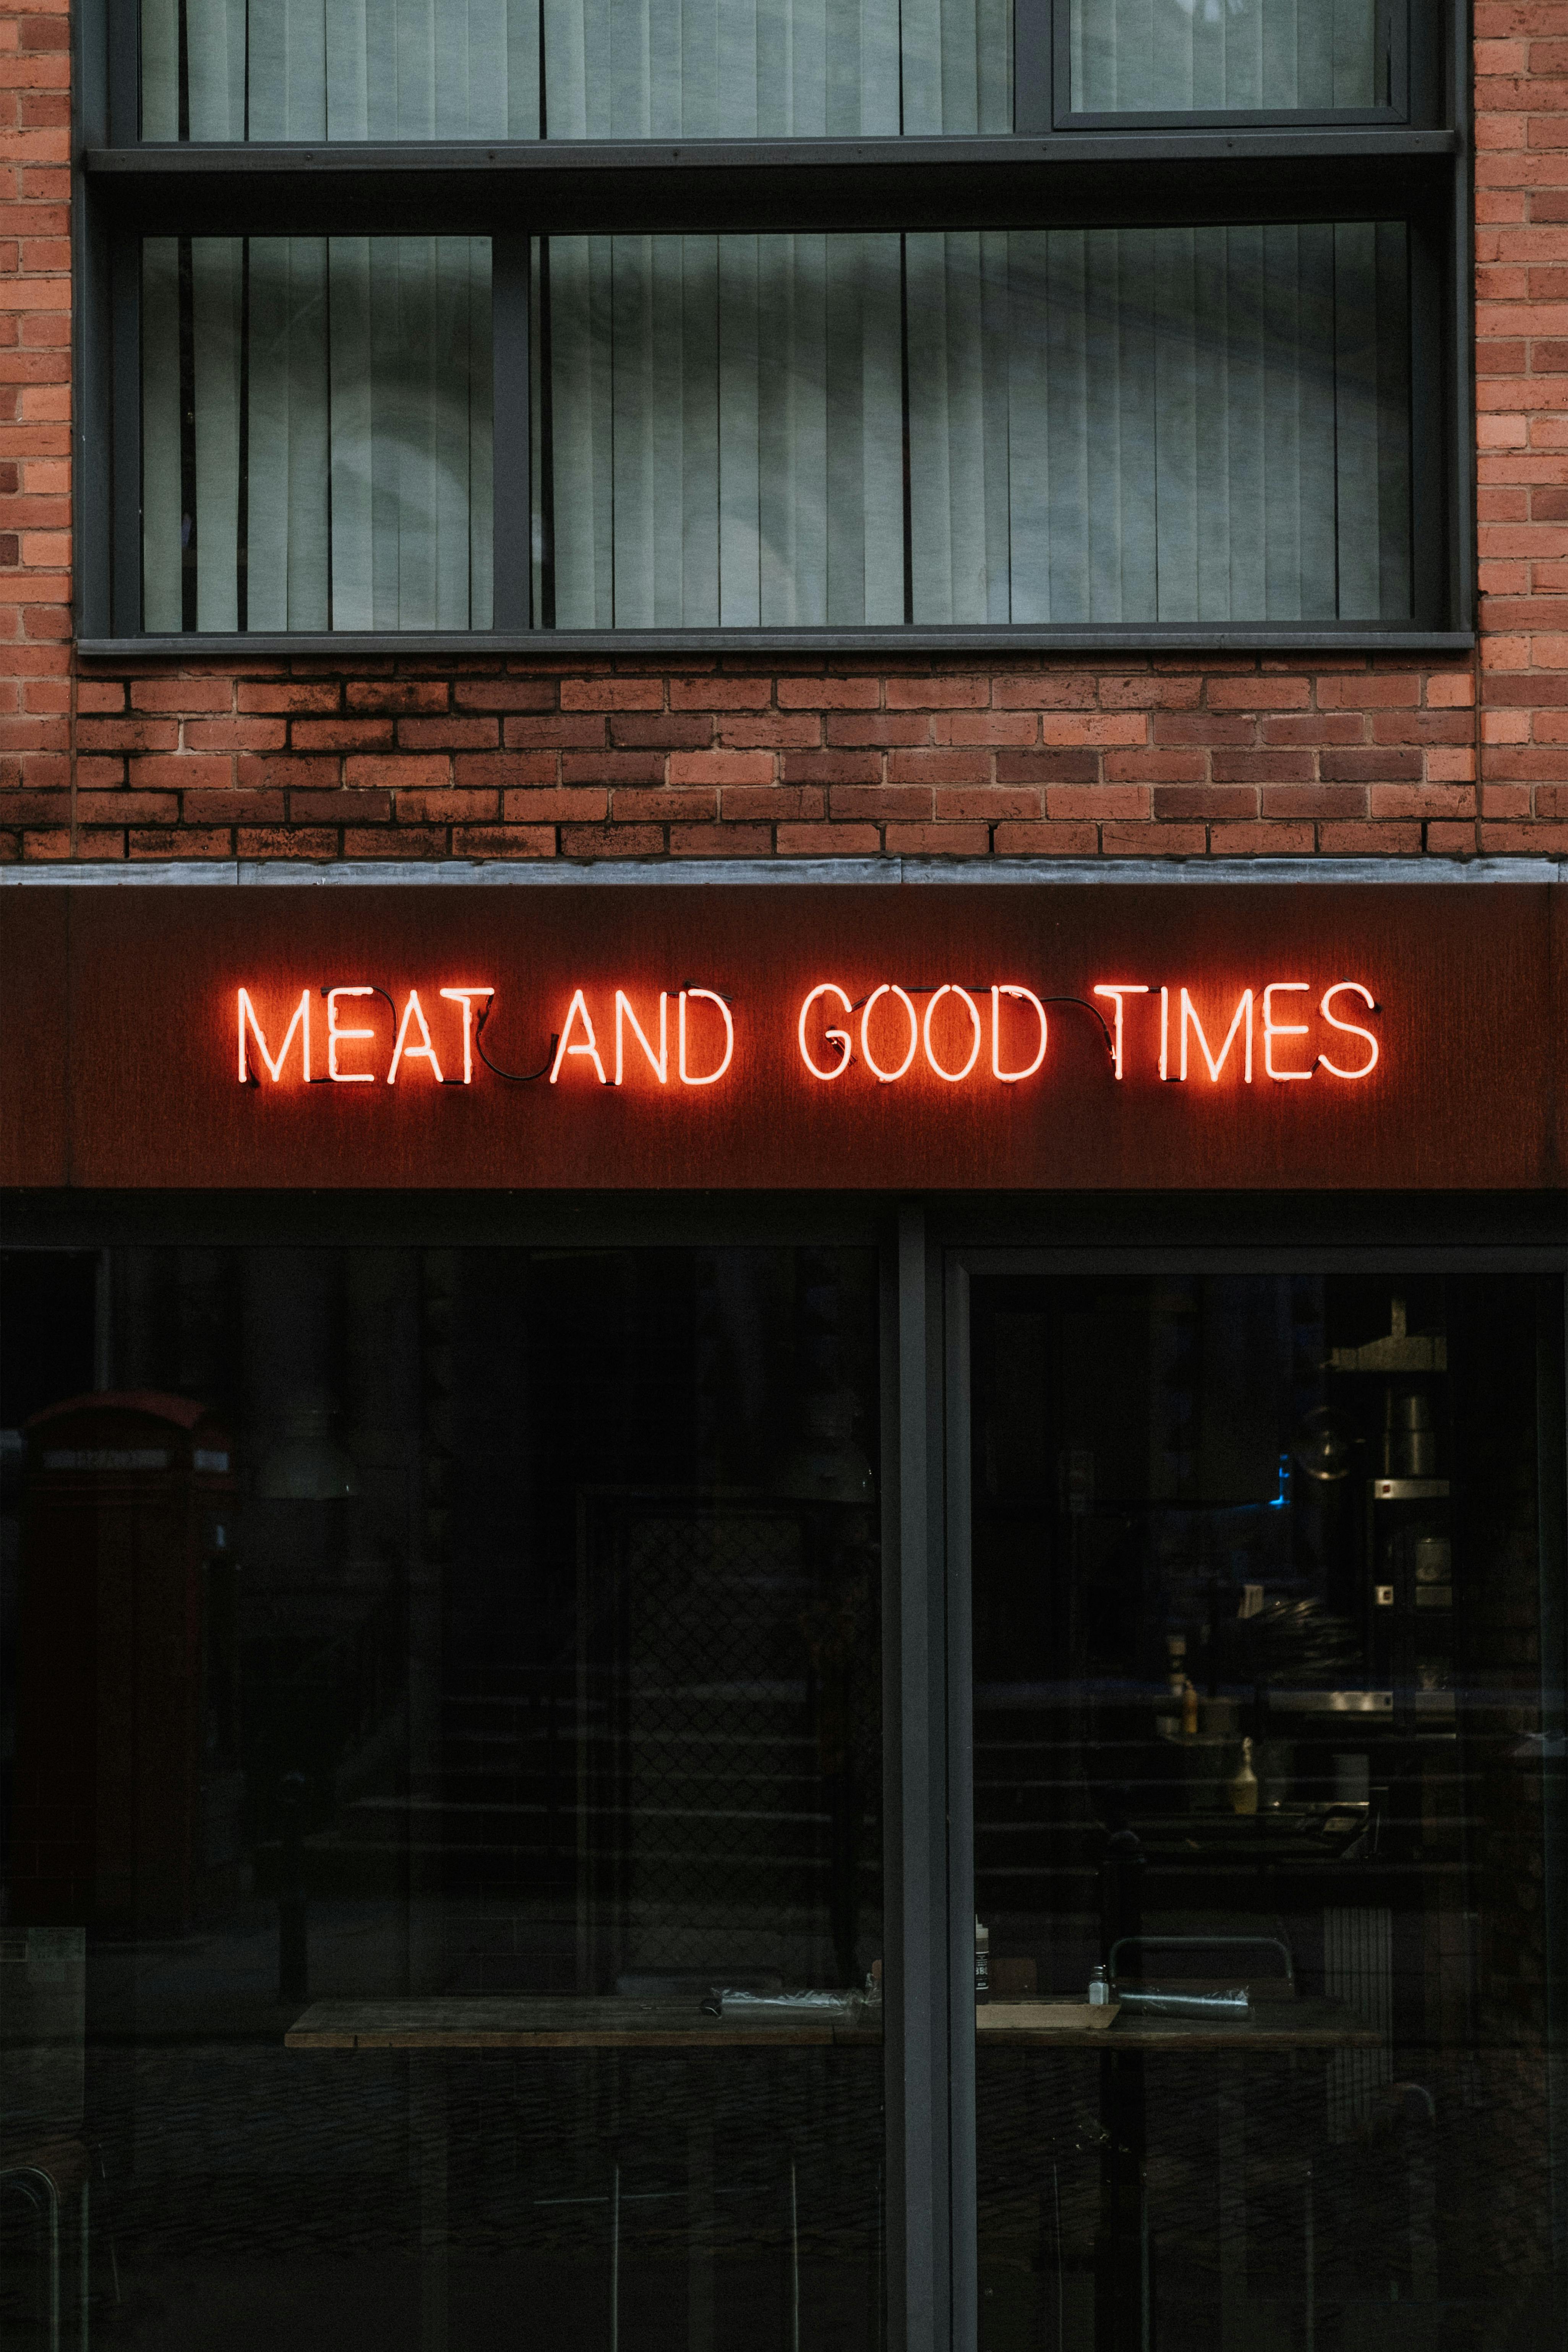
1102, 641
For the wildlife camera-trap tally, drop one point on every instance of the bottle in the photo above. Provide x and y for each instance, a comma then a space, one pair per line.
1243, 1783
1189, 1710
1098, 1987
982, 1961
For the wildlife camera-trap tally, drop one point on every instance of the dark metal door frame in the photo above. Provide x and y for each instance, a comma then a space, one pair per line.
936, 1271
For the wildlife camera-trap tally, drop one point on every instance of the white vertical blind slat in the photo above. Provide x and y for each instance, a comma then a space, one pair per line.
160, 503
1138, 267
1246, 438
740, 543
697, 568
1067, 423
215, 285
1103, 402
880, 369
1215, 525
353, 602
160, 69
351, 28
1029, 481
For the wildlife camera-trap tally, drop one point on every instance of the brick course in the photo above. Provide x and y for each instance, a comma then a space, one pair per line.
1035, 756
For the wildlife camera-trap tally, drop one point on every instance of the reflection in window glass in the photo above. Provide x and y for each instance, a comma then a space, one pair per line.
316, 432
1103, 424
234, 69
443, 1730
1267, 1723
1178, 57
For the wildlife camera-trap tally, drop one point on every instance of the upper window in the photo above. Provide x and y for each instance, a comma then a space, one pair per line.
227, 69
1223, 56
625, 70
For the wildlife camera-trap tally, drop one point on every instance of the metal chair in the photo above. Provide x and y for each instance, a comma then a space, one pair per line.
45, 2176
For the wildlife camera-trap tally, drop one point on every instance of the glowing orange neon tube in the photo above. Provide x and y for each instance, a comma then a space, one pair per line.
1123, 988
660, 1062
951, 988
1350, 1028
1026, 995
840, 1037
889, 988
403, 1050
1272, 1028
712, 1077
301, 1020
336, 1037
466, 998
577, 1011
1189, 1017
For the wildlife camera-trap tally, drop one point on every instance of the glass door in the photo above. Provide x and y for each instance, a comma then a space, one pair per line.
1266, 1668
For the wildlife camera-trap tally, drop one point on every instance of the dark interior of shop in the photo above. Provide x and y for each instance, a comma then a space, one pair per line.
1257, 1708
399, 1642
539, 1659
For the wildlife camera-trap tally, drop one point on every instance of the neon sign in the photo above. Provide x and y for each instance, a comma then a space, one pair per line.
1179, 1035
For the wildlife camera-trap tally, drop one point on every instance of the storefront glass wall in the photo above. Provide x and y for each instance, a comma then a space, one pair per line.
438, 1676
1268, 1731
448, 1711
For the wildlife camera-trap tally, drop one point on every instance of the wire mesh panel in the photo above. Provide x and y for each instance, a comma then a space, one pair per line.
729, 1720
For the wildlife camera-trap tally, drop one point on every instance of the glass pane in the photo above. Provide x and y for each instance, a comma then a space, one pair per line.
1268, 1726
1102, 424
1212, 56
721, 432
234, 69
444, 1799
316, 432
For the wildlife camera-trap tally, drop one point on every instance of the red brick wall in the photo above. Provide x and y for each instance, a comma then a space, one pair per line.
35, 415
1521, 403
1186, 756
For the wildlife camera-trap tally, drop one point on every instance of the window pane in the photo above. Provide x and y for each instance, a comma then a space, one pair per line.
1110, 425
724, 434
231, 70
316, 432
436, 1674
1178, 57
1267, 1722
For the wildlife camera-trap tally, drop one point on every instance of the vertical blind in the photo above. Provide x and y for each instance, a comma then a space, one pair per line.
1069, 426
316, 432
384, 69
1135, 425
1131, 57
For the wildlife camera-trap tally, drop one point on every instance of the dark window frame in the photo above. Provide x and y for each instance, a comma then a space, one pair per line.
1410, 164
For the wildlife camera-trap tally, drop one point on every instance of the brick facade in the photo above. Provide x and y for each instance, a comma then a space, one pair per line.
1026, 755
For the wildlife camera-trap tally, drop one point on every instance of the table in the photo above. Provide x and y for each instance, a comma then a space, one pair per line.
564, 2024
1269, 2027
1276, 2024
610, 2022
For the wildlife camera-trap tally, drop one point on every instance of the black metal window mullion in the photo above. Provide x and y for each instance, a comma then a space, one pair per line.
921, 2314
962, 1906
125, 433
513, 442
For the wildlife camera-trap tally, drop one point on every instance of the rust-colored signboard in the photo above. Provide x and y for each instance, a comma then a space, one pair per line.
910, 1036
